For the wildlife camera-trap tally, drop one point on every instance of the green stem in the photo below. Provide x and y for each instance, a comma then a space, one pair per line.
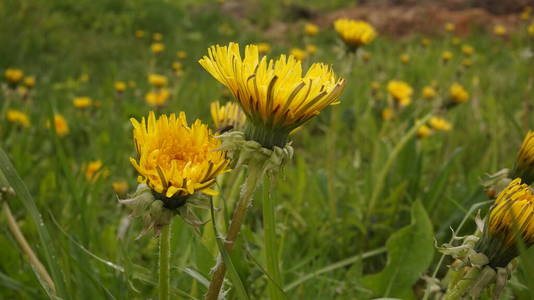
164, 264
269, 231
254, 176
463, 286
379, 184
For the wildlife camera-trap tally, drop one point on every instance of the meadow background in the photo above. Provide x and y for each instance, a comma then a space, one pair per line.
333, 244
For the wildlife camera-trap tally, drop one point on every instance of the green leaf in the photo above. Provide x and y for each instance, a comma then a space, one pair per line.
410, 252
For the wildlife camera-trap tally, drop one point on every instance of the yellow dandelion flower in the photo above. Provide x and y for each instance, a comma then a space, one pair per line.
429, 92
366, 56
525, 14
405, 58
439, 124
274, 95
157, 36
120, 86
263, 48
499, 30
400, 91
355, 33
227, 117
425, 42
387, 114
468, 50
177, 66
175, 159
82, 102
157, 80
120, 187
311, 49
139, 34
449, 27
458, 94
157, 48
531, 30
424, 131
375, 85
510, 219
181, 54
524, 163
446, 56
29, 82
467, 62
311, 29
456, 41
62, 128
18, 117
93, 171
157, 98
298, 53
13, 76
84, 77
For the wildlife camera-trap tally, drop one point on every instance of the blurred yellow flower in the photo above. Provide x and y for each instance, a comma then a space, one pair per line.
400, 91
366, 56
511, 218
311, 49
405, 58
429, 92
355, 33
84, 77
524, 163
120, 187
449, 27
375, 85
227, 117
157, 36
499, 30
298, 53
120, 86
439, 124
62, 128
273, 94
387, 114
94, 171
181, 54
263, 48
157, 98
458, 94
157, 48
311, 29
175, 159
13, 75
157, 80
531, 30
18, 117
425, 42
468, 50
29, 82
177, 66
423, 131
446, 56
525, 14
467, 62
456, 41
82, 102
131, 84
139, 34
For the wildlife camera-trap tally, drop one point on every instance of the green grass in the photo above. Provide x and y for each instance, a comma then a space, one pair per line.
324, 220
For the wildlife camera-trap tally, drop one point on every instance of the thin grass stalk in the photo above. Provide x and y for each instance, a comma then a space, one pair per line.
269, 240
164, 261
